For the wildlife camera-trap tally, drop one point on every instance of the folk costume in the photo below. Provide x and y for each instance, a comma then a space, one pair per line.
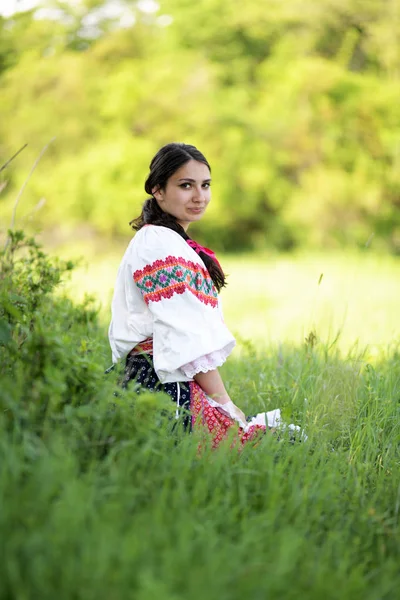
167, 324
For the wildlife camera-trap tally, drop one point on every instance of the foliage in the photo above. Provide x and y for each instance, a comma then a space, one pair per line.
101, 497
294, 103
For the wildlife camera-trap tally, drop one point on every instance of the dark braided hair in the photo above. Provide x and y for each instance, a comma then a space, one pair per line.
165, 163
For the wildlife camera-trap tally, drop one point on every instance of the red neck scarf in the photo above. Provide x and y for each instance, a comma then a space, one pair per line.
198, 248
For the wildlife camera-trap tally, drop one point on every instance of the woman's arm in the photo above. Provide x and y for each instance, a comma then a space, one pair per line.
211, 382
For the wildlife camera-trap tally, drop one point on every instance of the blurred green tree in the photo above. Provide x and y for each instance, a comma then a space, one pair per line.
295, 104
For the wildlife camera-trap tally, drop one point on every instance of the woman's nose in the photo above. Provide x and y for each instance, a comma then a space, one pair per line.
198, 194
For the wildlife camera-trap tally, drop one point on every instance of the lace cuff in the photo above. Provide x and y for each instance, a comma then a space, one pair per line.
208, 362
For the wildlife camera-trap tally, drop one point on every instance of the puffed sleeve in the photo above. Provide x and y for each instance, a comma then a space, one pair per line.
183, 301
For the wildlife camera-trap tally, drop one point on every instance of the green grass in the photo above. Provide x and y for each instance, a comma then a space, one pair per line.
100, 499
150, 518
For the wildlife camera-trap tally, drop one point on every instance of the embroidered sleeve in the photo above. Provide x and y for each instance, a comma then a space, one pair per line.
175, 275
177, 291
206, 363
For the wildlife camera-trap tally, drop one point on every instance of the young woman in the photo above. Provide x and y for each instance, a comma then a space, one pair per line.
166, 316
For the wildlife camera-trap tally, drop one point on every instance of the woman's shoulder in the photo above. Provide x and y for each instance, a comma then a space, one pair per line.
150, 235
155, 241
150, 232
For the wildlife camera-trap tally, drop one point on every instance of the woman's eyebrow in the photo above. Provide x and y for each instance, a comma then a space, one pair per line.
193, 180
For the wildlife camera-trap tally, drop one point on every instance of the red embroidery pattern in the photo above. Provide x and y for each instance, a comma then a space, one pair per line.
213, 421
175, 275
145, 347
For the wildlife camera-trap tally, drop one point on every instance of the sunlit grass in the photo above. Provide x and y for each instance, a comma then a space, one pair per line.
103, 496
282, 298
111, 505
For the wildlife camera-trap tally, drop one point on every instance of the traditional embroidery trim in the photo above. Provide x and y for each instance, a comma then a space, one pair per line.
175, 275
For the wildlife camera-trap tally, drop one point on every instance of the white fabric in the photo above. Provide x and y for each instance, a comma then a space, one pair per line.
271, 418
206, 363
184, 328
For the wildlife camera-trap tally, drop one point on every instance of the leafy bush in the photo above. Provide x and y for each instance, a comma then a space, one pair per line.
53, 355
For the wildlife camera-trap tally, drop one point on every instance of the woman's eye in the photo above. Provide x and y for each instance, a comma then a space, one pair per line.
187, 185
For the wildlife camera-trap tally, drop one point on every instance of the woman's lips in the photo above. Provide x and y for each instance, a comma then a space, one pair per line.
196, 210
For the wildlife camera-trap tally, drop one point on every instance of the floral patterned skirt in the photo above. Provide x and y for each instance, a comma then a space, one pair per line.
199, 413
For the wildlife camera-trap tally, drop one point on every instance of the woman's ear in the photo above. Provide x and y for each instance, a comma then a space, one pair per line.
157, 193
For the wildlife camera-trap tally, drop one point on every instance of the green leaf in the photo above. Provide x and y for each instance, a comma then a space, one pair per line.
5, 332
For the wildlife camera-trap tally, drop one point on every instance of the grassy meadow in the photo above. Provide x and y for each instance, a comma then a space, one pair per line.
101, 498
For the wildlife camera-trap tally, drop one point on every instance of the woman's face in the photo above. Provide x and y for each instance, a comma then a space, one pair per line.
187, 193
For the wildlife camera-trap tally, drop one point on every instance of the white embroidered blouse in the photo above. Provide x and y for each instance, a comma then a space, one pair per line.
164, 291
